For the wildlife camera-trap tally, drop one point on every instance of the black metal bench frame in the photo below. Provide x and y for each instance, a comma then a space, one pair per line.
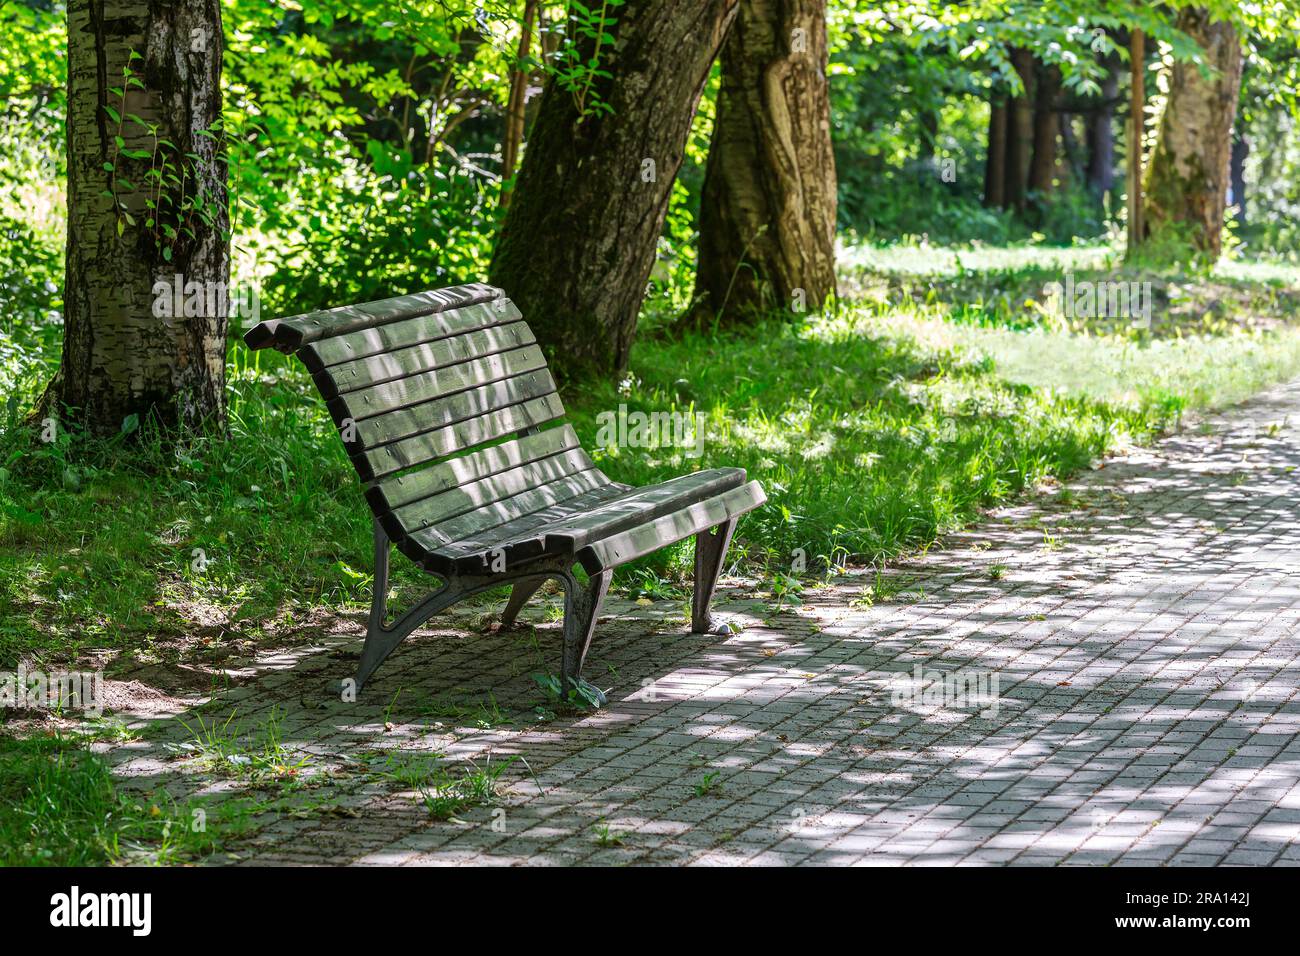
524, 562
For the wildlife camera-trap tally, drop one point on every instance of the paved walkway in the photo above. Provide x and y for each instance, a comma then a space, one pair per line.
1106, 680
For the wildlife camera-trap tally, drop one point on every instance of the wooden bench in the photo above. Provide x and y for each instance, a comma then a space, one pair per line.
440, 398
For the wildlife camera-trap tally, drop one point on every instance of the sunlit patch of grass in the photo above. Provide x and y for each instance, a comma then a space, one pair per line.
60, 806
876, 430
1158, 378
925, 259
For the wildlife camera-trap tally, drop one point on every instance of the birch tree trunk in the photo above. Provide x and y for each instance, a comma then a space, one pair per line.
1187, 180
767, 208
144, 208
579, 236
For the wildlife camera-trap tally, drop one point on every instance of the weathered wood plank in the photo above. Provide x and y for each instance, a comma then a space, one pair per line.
477, 495
555, 531
399, 490
425, 357
419, 449
520, 540
641, 506
512, 509
399, 335
669, 529
370, 433
296, 331
426, 386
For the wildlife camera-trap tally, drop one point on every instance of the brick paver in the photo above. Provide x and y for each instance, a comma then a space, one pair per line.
1105, 680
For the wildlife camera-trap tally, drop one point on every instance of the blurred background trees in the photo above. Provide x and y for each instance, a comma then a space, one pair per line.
636, 163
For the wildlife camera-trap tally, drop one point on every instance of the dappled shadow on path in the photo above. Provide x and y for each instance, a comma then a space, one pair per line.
1142, 639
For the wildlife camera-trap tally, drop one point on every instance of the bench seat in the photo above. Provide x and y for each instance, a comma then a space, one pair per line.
570, 525
446, 408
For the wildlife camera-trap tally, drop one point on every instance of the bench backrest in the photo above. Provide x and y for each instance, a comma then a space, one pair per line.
416, 384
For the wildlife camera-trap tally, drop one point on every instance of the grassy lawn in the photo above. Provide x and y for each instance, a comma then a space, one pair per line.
875, 430
941, 389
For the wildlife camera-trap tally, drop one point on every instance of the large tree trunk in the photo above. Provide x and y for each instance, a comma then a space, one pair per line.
1020, 131
1187, 182
1042, 168
1101, 135
123, 353
767, 209
579, 238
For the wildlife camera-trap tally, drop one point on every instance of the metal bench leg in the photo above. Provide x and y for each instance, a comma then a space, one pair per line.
381, 640
519, 596
710, 553
581, 606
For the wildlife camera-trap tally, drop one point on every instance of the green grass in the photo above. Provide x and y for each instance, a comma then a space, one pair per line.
874, 429
226, 748
446, 794
60, 806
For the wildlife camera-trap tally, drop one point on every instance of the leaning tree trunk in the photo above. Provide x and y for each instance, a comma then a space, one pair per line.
1187, 181
516, 106
1237, 177
767, 208
1135, 139
143, 209
578, 241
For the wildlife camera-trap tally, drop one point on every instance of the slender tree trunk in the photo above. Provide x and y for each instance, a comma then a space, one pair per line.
1020, 131
1187, 182
1101, 136
1136, 126
1073, 164
1237, 177
124, 353
518, 100
579, 237
928, 132
767, 210
1042, 168
995, 167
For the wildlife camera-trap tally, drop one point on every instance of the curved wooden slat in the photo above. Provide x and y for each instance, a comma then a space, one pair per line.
421, 449
426, 386
369, 434
403, 363
403, 489
335, 350
296, 331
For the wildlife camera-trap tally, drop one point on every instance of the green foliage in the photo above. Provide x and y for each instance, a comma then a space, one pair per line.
174, 197
60, 806
356, 146
582, 61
